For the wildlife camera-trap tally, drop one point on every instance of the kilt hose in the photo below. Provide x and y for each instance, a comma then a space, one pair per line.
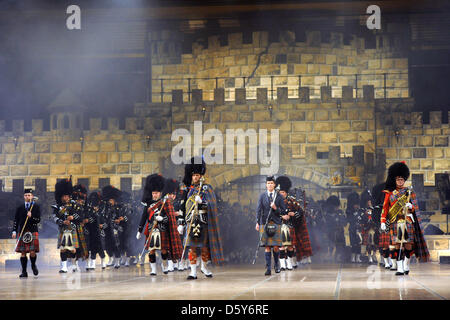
23, 247
270, 241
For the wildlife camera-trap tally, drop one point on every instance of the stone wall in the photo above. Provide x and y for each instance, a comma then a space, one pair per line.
287, 63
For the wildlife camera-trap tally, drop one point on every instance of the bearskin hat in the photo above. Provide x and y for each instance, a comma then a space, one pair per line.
63, 187
125, 197
333, 201
94, 198
170, 186
153, 182
284, 183
196, 165
377, 194
352, 199
398, 169
110, 192
79, 192
365, 197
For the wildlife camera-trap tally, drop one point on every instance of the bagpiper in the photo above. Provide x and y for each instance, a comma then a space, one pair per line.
161, 232
79, 195
354, 217
369, 228
65, 217
202, 222
112, 218
96, 242
26, 220
268, 222
291, 221
335, 221
401, 212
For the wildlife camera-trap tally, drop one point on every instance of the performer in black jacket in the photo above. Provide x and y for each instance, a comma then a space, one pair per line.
96, 243
268, 222
25, 224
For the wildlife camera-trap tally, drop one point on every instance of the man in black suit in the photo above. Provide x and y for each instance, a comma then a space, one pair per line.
268, 222
25, 224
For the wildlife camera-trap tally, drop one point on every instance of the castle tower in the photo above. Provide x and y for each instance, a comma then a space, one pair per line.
66, 115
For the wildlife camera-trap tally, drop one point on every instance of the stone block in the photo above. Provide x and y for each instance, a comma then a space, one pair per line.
89, 157
303, 94
240, 96
435, 119
74, 146
341, 126
334, 154
348, 137
282, 95
425, 141
197, 96
59, 147
419, 152
90, 146
126, 157
347, 93
18, 170
358, 155
322, 126
42, 147
368, 93
107, 146
91, 169
37, 126
123, 169
123, 146
177, 97
296, 115
441, 141
325, 93
416, 119
58, 169
311, 154
39, 170
261, 95
328, 137
219, 96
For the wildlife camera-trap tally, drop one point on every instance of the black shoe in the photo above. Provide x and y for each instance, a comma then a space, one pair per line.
23, 275
153, 274
399, 274
407, 272
62, 271
277, 270
191, 277
35, 270
165, 272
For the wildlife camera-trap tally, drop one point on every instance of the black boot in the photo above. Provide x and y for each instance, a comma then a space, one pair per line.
268, 264
276, 261
23, 262
33, 265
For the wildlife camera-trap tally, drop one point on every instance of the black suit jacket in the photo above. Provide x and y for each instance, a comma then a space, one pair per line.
21, 216
263, 209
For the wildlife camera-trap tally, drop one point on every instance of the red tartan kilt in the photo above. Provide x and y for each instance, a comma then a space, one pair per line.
293, 237
365, 237
165, 241
28, 247
384, 239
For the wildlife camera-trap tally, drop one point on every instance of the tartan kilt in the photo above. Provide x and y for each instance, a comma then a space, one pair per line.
270, 241
409, 229
23, 247
165, 240
384, 239
293, 234
75, 240
202, 241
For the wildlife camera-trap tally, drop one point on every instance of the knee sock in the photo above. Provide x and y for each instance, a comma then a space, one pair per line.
164, 256
33, 261
268, 256
193, 256
152, 257
206, 255
23, 262
63, 256
290, 254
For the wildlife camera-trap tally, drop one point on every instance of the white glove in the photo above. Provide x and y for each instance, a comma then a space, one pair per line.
383, 226
138, 235
198, 199
159, 218
409, 205
180, 229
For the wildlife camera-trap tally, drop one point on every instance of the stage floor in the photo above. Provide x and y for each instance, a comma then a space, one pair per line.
429, 281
